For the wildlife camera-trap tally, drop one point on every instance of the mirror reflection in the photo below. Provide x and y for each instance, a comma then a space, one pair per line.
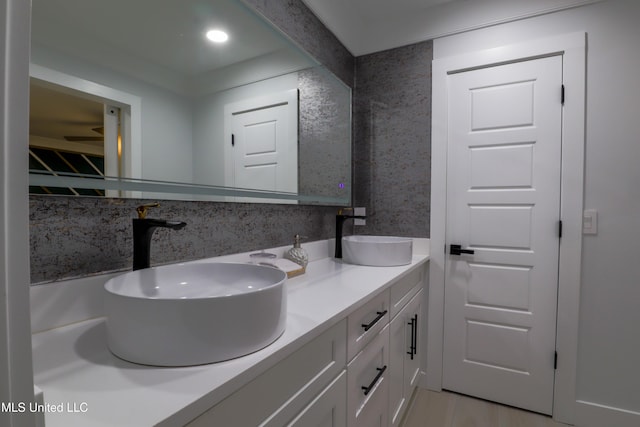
139, 90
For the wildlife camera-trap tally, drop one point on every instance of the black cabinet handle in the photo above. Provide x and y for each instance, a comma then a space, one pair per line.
413, 326
457, 250
415, 335
368, 389
413, 348
374, 321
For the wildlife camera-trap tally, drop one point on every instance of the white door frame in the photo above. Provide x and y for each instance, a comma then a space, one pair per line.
131, 117
573, 48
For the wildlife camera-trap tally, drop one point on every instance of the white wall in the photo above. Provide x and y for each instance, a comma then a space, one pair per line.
16, 372
609, 342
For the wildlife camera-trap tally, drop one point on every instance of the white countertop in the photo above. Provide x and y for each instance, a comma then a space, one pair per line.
91, 387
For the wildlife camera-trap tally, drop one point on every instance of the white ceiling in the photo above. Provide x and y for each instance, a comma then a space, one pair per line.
170, 34
367, 26
55, 114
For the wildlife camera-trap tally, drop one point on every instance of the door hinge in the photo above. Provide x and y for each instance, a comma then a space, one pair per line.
233, 140
562, 95
555, 360
560, 229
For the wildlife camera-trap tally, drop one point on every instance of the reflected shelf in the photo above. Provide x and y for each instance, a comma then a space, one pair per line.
140, 188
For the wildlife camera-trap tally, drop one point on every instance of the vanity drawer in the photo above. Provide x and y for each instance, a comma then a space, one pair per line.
329, 409
276, 396
368, 384
365, 323
402, 292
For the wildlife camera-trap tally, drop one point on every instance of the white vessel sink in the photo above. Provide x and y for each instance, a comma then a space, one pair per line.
379, 251
193, 314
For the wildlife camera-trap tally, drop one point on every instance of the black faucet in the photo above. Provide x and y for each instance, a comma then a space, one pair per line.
340, 219
143, 229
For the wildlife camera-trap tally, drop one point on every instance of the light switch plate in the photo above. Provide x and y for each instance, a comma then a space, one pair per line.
360, 212
590, 221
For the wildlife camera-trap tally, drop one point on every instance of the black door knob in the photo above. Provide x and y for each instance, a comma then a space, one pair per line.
457, 250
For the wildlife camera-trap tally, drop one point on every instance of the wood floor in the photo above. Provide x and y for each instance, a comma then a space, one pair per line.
432, 409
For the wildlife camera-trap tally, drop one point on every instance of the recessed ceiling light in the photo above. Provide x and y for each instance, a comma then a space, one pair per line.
217, 36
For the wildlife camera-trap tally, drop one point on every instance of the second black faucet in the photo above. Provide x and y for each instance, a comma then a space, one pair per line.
340, 219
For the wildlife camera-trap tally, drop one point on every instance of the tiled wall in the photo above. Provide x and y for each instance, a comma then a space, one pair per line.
72, 237
324, 143
392, 121
305, 29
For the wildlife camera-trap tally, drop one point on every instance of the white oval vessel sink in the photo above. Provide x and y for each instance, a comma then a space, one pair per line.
378, 251
193, 314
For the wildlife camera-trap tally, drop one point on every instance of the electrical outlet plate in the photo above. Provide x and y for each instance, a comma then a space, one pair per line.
590, 222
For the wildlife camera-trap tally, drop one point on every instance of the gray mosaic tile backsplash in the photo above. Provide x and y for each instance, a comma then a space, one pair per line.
324, 150
295, 19
392, 122
73, 236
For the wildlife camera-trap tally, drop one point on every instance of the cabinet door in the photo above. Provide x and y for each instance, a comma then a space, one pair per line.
404, 361
329, 409
368, 384
397, 350
412, 364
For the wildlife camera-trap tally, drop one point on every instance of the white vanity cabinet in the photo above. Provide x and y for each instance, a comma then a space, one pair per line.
306, 388
346, 329
359, 373
382, 349
404, 355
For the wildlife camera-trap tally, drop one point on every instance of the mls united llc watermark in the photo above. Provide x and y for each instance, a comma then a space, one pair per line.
22, 407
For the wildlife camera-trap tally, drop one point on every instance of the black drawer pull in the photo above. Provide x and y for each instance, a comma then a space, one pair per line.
413, 348
374, 321
375, 380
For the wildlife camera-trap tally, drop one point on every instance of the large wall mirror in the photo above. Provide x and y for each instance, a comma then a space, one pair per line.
135, 99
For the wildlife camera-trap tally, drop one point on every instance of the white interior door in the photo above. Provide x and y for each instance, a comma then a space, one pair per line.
264, 143
262, 158
503, 203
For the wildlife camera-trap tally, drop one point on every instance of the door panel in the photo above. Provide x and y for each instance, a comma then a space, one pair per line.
261, 144
500, 286
516, 166
503, 105
264, 157
503, 202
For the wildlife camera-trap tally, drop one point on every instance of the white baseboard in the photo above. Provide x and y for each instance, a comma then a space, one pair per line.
589, 414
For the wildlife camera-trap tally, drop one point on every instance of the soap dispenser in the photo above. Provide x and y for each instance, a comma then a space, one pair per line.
297, 253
